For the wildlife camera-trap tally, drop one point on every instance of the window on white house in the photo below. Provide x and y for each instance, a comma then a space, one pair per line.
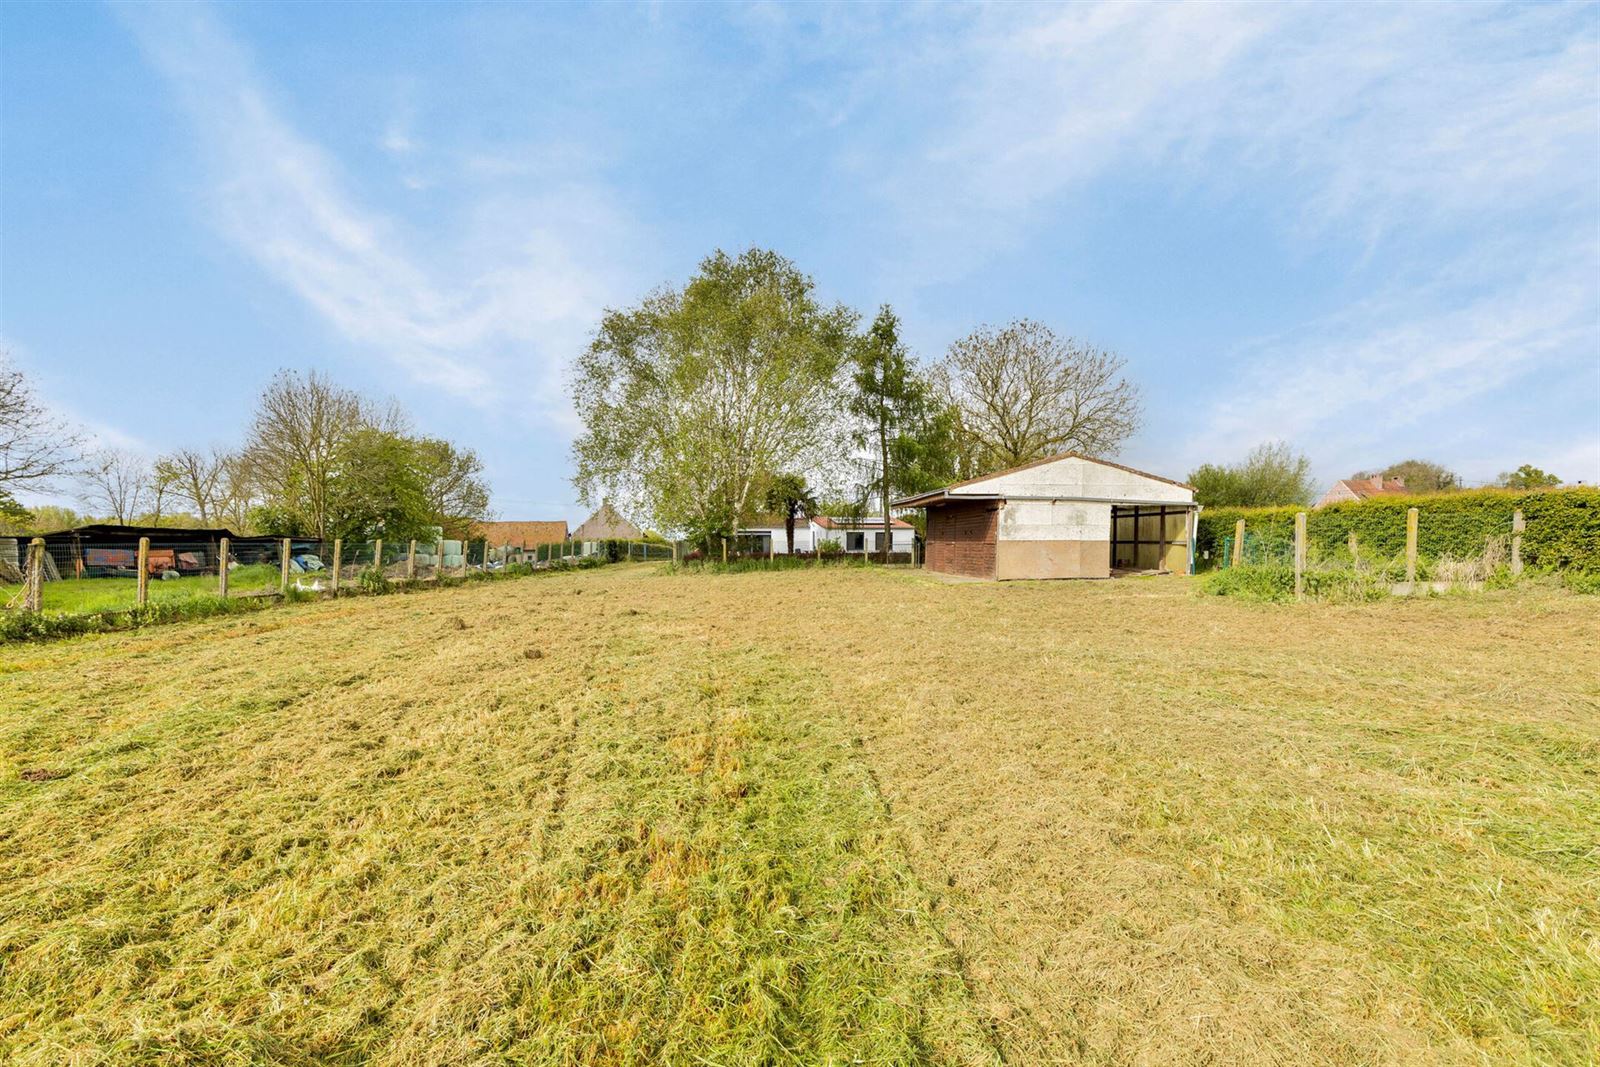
855, 542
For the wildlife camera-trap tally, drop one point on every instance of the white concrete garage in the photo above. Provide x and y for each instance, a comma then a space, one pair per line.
1067, 516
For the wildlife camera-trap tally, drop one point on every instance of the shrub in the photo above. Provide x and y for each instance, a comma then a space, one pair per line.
1274, 582
373, 581
1585, 582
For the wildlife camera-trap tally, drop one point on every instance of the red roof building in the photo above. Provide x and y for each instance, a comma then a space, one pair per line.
1348, 489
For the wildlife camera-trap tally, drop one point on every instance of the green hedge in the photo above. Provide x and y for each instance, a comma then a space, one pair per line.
1563, 527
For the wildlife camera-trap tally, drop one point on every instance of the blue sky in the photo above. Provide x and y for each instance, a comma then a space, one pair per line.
1371, 231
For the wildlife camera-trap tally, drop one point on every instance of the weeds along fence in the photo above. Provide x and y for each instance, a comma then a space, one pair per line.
99, 574
1377, 548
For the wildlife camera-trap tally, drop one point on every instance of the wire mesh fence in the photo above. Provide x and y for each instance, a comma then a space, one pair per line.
103, 572
1439, 537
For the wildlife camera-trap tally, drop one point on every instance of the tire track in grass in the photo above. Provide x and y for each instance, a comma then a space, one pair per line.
723, 889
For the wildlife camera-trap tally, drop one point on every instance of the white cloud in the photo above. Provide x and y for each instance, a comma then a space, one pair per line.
1457, 142
485, 318
1398, 365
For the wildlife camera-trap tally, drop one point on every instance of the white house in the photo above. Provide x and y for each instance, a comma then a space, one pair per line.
853, 536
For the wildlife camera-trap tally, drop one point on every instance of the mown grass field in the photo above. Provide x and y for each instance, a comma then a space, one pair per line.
628, 816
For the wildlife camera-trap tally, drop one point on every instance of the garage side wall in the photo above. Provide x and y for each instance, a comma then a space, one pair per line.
961, 539
1053, 539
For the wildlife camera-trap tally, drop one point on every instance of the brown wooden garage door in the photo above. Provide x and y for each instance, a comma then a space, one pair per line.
961, 538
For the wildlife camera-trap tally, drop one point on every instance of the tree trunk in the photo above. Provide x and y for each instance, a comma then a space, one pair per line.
788, 529
883, 455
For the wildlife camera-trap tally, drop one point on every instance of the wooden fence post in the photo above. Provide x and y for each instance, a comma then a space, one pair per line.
1300, 555
1411, 544
724, 550
283, 567
674, 553
377, 554
143, 595
1238, 542
772, 548
1517, 526
338, 559
222, 568
464, 545
33, 578
411, 561
1355, 550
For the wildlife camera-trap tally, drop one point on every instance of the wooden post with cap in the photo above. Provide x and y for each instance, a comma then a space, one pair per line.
1517, 528
142, 596
1300, 555
1411, 544
33, 578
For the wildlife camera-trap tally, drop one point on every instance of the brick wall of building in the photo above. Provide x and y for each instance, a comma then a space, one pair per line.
961, 538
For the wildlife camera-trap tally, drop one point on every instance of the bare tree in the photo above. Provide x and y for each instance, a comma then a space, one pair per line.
196, 478
35, 447
116, 484
237, 495
452, 482
300, 427
1023, 393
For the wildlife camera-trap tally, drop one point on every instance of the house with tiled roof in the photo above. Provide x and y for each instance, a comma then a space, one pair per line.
1349, 489
521, 533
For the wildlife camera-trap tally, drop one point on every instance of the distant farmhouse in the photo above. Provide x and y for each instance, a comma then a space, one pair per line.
521, 534
768, 533
607, 525
1348, 489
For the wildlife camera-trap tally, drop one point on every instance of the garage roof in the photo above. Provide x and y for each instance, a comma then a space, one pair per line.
953, 491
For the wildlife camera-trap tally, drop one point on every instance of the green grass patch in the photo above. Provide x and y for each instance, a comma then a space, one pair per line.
94, 595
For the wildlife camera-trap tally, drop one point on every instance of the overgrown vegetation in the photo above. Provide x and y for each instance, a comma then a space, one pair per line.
1271, 475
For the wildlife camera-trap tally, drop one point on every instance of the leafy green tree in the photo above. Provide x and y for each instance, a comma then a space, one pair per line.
42, 519
14, 518
379, 489
1528, 476
789, 495
453, 484
1420, 476
889, 399
1271, 474
325, 461
696, 398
